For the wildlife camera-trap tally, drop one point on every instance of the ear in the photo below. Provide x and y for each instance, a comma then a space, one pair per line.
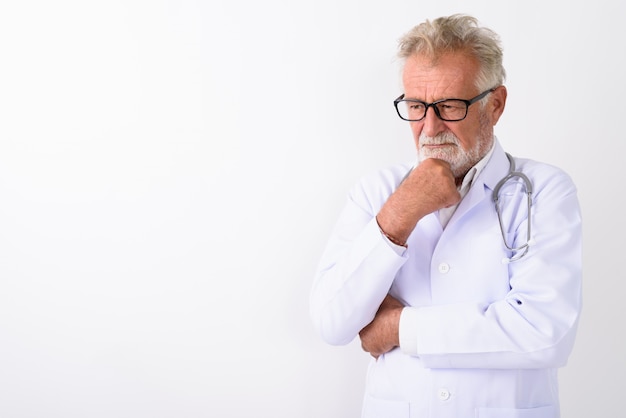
496, 104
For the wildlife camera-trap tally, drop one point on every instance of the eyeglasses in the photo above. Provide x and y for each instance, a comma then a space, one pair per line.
450, 110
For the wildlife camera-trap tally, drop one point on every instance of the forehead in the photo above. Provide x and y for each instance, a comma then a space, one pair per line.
450, 75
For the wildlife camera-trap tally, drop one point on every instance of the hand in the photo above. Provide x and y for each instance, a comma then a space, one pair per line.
429, 187
382, 334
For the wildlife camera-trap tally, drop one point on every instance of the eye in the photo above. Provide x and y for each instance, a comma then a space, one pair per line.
451, 105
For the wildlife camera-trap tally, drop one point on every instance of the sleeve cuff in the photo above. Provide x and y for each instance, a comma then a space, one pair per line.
408, 331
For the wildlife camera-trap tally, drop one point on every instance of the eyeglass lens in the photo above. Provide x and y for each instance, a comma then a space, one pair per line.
450, 110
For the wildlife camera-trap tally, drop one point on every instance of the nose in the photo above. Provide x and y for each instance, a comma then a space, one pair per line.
432, 125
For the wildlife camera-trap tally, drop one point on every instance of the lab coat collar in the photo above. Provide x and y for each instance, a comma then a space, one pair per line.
496, 168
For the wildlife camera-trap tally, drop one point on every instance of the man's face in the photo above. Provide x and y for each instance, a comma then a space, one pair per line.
462, 144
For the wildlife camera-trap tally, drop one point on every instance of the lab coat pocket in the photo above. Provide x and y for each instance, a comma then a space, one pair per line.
378, 408
542, 412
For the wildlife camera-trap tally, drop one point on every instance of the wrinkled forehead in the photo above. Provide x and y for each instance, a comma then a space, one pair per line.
448, 75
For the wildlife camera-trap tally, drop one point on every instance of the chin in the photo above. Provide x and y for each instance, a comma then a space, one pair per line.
459, 164
448, 155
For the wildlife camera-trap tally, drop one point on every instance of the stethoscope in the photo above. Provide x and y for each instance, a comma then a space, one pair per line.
517, 252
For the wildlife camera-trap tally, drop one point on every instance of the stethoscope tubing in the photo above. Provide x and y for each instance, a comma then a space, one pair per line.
518, 252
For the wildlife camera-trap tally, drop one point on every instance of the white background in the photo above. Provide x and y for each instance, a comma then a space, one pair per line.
170, 172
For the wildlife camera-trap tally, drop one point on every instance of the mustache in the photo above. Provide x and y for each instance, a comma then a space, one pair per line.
439, 139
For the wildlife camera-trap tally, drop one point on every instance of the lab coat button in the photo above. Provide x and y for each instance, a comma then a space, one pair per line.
444, 268
444, 394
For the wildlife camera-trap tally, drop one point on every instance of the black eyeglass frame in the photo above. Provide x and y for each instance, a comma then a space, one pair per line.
469, 102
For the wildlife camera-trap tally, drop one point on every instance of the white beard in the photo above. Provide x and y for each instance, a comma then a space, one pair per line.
460, 160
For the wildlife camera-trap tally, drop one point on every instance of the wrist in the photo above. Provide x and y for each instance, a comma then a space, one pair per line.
393, 239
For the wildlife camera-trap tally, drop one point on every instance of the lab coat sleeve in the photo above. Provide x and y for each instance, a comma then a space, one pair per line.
356, 269
534, 326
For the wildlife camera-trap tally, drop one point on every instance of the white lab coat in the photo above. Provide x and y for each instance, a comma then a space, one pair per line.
490, 334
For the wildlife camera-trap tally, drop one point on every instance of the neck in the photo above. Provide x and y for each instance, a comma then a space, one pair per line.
459, 179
